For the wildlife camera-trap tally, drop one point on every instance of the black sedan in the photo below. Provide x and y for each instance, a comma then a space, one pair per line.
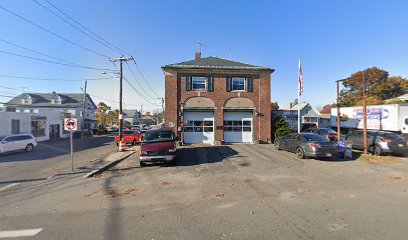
307, 145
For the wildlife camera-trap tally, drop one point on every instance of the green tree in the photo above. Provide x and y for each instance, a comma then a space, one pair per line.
280, 127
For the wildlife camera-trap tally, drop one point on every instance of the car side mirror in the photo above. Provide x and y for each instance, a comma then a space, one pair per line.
4, 142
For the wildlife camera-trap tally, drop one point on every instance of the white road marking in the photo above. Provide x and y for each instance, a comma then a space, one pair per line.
20, 233
8, 186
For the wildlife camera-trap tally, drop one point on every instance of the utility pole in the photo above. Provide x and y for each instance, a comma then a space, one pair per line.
162, 109
365, 115
83, 111
121, 60
338, 111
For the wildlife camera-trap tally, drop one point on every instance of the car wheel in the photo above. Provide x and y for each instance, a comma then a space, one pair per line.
377, 151
142, 164
29, 148
277, 147
300, 153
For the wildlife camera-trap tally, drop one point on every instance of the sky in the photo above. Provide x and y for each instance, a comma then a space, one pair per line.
333, 38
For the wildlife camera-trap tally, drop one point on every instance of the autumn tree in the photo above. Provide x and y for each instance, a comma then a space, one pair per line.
326, 109
101, 113
274, 106
380, 86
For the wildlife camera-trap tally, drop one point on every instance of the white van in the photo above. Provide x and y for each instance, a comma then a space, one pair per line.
9, 143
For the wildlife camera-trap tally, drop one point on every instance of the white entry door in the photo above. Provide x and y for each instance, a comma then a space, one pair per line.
238, 127
199, 127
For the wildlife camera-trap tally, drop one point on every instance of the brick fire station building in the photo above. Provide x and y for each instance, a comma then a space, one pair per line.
213, 100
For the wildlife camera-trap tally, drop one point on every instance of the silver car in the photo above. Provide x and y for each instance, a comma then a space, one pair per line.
379, 142
307, 145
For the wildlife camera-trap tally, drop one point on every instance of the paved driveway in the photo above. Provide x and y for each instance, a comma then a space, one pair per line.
221, 192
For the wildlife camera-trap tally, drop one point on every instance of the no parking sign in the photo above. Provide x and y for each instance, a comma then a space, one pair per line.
70, 124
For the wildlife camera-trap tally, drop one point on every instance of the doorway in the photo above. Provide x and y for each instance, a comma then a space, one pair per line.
54, 131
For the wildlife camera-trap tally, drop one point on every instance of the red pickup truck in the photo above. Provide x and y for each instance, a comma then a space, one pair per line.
130, 136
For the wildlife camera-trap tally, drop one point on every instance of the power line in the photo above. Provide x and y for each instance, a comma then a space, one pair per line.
43, 54
145, 78
118, 102
55, 79
132, 86
134, 76
87, 29
7, 96
58, 63
52, 33
10, 88
72, 25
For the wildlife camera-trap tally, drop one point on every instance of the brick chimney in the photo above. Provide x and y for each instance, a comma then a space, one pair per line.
197, 56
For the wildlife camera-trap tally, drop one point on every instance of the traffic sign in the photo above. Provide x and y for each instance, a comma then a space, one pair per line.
70, 124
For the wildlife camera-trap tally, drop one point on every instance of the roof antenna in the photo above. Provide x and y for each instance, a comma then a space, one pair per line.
230, 56
200, 44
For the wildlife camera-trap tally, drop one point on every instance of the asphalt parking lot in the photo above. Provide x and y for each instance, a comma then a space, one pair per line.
222, 192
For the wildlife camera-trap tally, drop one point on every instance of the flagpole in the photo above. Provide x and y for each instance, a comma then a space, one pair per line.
299, 99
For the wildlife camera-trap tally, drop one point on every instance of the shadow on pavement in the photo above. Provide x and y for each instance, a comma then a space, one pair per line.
50, 149
197, 155
113, 219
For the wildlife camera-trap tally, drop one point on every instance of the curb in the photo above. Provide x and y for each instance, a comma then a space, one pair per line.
106, 167
81, 165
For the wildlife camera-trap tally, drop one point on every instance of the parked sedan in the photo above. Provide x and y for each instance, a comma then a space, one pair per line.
328, 133
130, 136
158, 146
307, 145
379, 142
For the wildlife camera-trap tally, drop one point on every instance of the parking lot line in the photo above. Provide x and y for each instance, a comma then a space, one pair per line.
20, 233
9, 186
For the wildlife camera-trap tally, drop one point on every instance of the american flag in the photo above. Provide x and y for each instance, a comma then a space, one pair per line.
300, 79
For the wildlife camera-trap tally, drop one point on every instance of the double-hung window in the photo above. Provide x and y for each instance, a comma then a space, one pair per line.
238, 84
199, 83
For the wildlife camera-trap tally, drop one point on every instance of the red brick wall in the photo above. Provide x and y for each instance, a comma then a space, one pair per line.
260, 94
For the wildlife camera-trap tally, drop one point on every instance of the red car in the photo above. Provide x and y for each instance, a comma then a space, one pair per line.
158, 146
130, 136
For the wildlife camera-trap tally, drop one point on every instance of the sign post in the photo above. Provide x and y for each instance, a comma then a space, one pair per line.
71, 125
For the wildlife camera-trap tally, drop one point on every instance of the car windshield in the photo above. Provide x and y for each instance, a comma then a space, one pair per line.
328, 131
158, 136
128, 132
311, 137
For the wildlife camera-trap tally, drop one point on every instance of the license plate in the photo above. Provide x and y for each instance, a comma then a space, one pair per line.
400, 145
328, 154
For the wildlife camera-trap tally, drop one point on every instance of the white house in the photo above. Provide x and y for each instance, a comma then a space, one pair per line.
42, 114
307, 115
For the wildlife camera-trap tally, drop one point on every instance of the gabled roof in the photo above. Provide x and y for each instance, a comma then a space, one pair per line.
312, 113
295, 107
71, 100
216, 62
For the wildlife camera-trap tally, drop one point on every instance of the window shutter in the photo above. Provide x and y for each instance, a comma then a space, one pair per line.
188, 83
228, 84
210, 84
250, 85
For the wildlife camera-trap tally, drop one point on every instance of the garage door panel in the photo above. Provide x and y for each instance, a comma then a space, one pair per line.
238, 127
199, 127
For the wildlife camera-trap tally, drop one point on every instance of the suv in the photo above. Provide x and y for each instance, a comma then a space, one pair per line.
9, 143
379, 142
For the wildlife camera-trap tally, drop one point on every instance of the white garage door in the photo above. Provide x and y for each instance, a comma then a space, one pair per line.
199, 127
238, 127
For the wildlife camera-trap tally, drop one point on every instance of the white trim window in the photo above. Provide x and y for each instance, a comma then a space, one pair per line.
199, 83
238, 84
